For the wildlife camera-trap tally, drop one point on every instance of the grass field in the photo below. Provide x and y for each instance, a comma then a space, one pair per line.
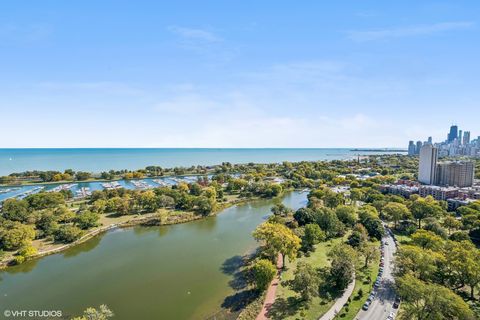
287, 305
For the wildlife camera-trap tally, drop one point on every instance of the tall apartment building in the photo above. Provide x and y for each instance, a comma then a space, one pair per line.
428, 163
459, 174
418, 147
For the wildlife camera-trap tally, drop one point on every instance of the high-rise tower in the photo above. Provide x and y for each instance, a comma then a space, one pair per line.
428, 163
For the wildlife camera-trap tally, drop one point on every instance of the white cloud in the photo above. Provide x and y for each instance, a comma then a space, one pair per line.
194, 34
408, 31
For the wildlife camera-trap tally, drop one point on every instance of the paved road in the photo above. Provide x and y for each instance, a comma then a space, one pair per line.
382, 306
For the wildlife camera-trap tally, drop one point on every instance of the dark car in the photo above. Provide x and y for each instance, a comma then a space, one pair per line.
366, 306
396, 304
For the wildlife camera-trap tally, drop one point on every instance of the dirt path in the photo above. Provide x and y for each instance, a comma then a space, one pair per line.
271, 292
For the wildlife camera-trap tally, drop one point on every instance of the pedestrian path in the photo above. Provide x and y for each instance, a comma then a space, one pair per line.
271, 292
339, 303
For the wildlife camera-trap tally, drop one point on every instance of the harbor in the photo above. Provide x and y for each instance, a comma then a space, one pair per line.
82, 190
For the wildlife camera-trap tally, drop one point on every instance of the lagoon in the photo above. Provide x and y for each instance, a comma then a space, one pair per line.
168, 272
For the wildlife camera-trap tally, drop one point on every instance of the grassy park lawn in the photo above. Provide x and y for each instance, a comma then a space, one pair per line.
286, 305
361, 283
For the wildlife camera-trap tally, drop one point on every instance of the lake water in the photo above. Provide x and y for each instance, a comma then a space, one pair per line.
168, 272
97, 160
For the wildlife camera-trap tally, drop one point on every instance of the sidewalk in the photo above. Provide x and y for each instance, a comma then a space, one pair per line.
271, 292
340, 302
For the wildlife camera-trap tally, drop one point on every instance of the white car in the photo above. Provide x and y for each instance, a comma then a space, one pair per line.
391, 316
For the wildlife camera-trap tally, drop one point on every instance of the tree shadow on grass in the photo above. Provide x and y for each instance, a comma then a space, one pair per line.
284, 307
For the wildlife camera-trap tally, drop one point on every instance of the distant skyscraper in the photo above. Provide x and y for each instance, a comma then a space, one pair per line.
411, 148
428, 163
466, 137
418, 147
430, 140
453, 133
460, 135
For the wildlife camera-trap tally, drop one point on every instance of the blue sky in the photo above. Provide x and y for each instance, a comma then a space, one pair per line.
237, 73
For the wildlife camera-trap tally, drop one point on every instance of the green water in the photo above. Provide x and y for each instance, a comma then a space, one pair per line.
170, 272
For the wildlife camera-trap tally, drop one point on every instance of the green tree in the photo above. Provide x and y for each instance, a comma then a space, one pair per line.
427, 240
304, 216
15, 210
347, 215
359, 236
80, 175
165, 201
87, 219
424, 301
14, 235
68, 233
369, 251
281, 210
329, 222
263, 273
342, 267
44, 200
313, 235
464, 260
395, 212
204, 205
47, 223
306, 281
148, 201
277, 239
425, 207
424, 264
450, 223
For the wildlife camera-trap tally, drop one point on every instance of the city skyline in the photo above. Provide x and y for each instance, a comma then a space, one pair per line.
458, 142
186, 74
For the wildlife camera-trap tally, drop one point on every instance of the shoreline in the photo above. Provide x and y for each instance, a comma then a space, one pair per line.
39, 183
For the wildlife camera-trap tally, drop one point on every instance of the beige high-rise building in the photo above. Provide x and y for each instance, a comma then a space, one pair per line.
455, 174
428, 163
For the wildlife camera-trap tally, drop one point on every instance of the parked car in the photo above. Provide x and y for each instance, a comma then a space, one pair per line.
391, 316
396, 304
366, 306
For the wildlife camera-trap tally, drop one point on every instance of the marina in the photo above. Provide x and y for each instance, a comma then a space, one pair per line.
83, 192
63, 187
9, 190
141, 184
29, 192
111, 185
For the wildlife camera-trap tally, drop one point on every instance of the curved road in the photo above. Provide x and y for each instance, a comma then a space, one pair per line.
382, 306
